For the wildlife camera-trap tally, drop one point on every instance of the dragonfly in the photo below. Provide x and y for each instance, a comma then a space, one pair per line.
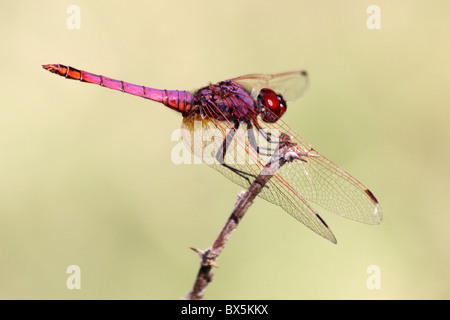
235, 125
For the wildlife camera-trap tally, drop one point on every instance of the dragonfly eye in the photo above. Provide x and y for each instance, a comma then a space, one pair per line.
272, 105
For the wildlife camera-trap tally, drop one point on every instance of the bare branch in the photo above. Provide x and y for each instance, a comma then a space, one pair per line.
287, 152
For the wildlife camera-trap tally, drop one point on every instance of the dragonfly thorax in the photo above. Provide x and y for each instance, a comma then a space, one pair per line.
226, 101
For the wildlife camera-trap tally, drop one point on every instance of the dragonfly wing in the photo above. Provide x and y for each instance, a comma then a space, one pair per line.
290, 85
282, 194
204, 137
321, 181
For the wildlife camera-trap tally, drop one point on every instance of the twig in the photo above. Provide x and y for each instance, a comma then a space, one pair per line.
286, 152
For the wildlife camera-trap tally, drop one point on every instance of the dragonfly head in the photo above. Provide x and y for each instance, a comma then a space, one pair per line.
272, 105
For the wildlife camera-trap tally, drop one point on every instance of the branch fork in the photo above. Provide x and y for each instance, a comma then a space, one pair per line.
287, 151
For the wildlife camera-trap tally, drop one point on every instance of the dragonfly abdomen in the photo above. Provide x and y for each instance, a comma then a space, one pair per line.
180, 101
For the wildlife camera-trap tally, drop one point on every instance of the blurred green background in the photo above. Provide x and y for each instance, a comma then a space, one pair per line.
87, 178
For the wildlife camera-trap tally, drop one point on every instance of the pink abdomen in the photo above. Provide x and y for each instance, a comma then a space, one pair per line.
180, 101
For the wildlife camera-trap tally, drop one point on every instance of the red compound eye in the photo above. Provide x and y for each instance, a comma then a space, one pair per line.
271, 100
273, 105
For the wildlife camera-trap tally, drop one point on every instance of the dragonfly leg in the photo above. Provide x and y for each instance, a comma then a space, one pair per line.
221, 153
268, 135
253, 143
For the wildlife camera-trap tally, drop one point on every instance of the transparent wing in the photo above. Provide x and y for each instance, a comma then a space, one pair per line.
205, 137
289, 84
320, 181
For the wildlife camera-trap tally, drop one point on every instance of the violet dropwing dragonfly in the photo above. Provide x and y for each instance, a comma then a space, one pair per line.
237, 124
